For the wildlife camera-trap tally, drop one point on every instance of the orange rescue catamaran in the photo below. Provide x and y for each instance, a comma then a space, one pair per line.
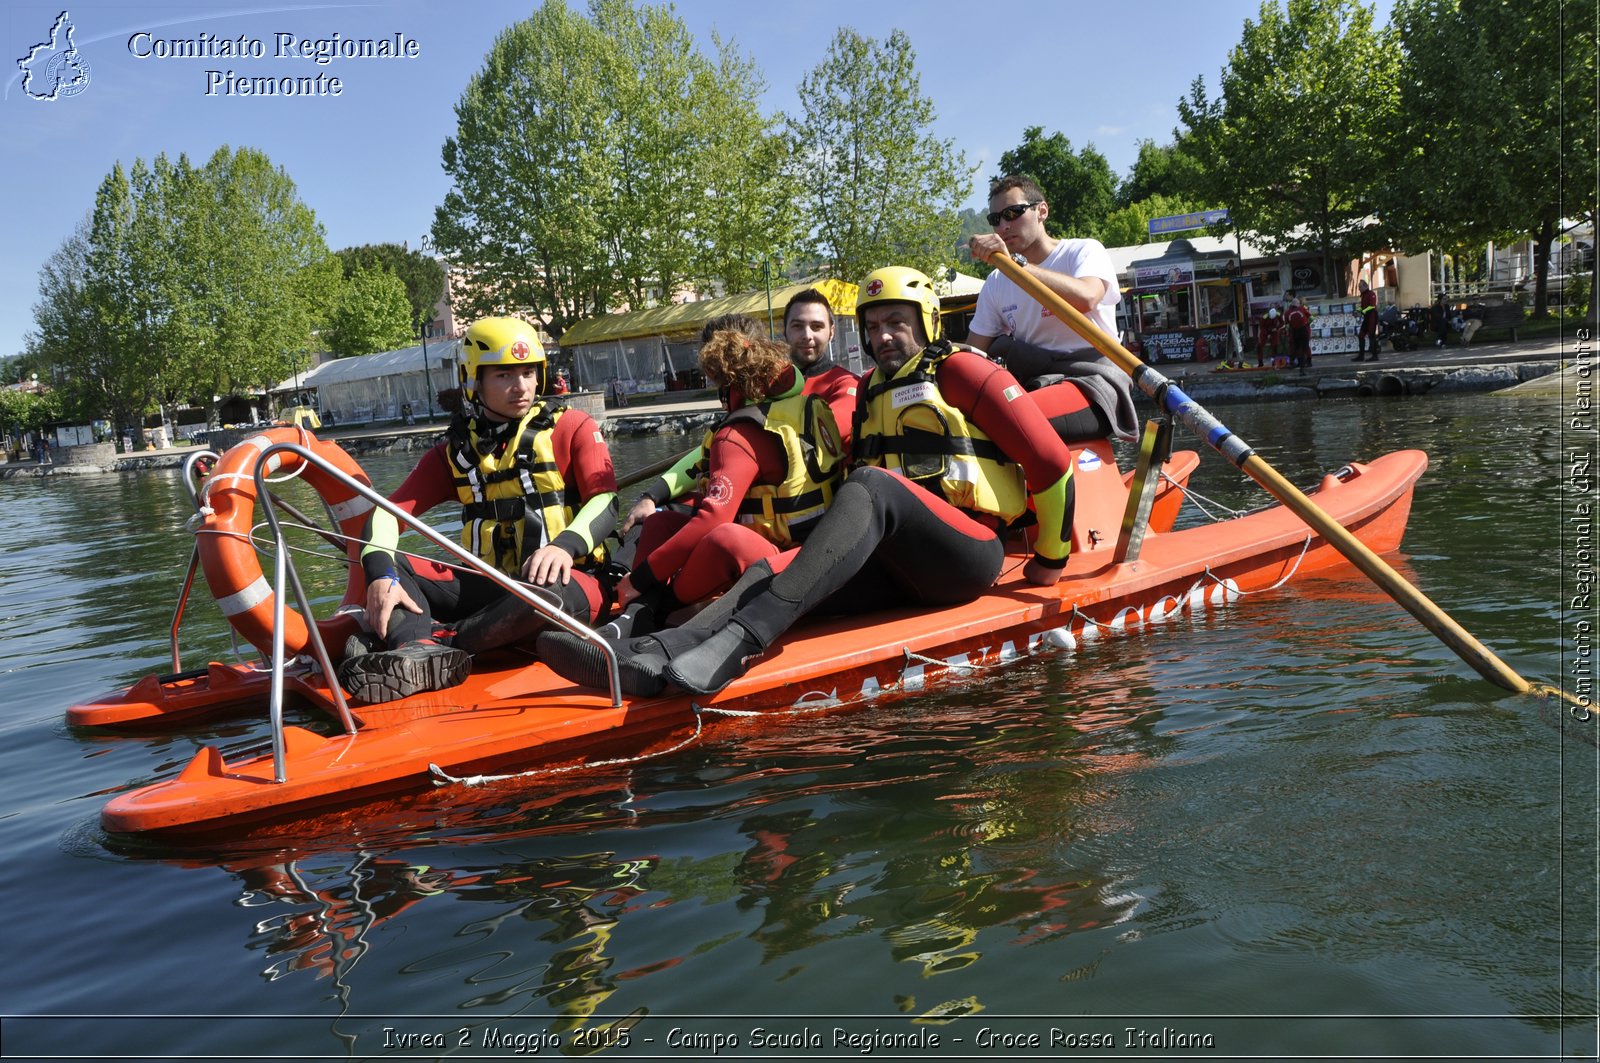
1128, 567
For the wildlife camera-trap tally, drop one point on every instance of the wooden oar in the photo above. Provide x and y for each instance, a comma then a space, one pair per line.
1168, 396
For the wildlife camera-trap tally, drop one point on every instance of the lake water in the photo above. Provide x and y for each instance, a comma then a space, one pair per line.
1297, 826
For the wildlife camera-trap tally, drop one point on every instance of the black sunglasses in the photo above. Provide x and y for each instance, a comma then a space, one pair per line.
1011, 213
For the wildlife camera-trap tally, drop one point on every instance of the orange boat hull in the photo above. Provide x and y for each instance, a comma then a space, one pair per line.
519, 717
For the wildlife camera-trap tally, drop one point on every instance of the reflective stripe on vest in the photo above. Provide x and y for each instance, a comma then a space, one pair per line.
904, 424
496, 488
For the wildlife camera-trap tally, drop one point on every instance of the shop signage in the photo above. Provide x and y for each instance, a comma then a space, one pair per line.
1177, 223
1168, 346
1163, 274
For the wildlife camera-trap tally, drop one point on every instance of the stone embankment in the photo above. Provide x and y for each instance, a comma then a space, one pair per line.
1377, 380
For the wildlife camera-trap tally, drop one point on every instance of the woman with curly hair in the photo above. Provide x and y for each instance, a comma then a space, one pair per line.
769, 471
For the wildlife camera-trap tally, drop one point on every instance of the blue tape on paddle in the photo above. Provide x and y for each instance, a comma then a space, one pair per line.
1200, 421
1171, 397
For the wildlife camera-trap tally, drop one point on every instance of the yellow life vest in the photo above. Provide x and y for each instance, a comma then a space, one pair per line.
513, 498
904, 424
804, 424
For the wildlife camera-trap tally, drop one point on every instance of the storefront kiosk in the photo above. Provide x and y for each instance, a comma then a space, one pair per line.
1186, 305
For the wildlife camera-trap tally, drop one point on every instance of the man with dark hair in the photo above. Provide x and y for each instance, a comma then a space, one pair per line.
1091, 398
950, 453
808, 329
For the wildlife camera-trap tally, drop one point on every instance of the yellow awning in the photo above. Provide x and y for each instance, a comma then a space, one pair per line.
686, 319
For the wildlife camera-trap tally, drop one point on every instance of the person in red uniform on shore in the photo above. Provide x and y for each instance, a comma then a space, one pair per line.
948, 450
1297, 318
538, 495
1267, 338
1367, 335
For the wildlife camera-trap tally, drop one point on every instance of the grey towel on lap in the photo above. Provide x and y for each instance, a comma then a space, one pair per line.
1107, 386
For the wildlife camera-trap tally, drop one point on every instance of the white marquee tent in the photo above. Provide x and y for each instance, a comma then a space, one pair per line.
375, 387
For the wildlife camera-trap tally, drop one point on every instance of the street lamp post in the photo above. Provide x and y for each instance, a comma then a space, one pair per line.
766, 276
766, 280
427, 372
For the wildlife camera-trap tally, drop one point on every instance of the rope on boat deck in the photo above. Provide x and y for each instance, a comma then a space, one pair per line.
1200, 500
443, 778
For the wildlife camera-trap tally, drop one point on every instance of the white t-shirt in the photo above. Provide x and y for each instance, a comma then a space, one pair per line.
1004, 309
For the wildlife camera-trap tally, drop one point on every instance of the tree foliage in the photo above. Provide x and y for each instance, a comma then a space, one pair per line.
1294, 143
373, 314
1162, 170
604, 159
1496, 122
184, 283
1079, 184
262, 277
878, 186
421, 274
24, 410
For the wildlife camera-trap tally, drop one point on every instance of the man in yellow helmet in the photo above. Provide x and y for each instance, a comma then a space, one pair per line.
538, 496
948, 450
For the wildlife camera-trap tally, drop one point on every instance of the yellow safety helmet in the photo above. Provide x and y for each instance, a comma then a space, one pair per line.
498, 341
899, 284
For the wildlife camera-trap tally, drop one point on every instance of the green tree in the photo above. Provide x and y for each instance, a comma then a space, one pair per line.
373, 314
185, 283
1496, 124
22, 411
971, 222
1079, 184
421, 274
604, 159
262, 278
106, 303
1294, 144
1168, 171
879, 186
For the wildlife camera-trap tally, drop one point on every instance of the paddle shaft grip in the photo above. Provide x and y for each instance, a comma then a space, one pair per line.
1453, 635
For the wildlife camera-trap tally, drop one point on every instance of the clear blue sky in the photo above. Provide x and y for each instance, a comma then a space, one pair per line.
367, 161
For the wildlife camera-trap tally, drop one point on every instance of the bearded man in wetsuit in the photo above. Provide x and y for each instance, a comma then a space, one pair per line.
538, 496
948, 450
808, 329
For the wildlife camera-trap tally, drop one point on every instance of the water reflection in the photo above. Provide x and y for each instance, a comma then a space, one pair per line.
1302, 802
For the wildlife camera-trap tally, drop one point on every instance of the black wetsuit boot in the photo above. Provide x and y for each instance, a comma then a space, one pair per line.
511, 620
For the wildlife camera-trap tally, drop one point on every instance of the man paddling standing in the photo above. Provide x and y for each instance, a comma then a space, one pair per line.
1012, 326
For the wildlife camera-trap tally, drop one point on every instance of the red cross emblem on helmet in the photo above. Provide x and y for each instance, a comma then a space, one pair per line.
520, 350
874, 286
